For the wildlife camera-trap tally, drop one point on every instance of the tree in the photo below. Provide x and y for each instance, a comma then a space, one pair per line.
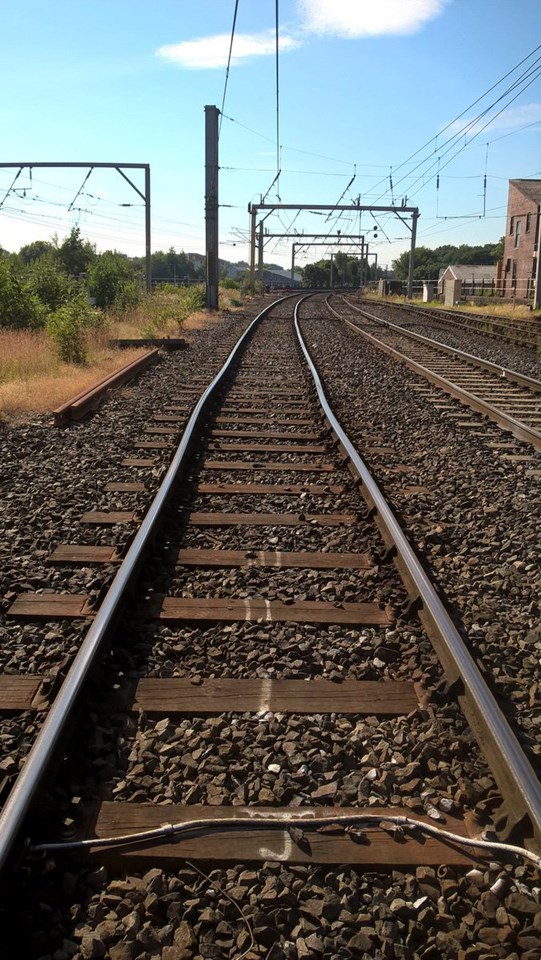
48, 282
428, 262
172, 266
18, 308
35, 250
75, 254
111, 278
317, 274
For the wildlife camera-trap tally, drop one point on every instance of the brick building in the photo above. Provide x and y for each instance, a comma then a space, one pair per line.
522, 240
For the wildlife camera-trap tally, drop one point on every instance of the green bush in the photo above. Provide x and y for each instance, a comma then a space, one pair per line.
68, 327
128, 296
49, 283
194, 298
19, 308
111, 281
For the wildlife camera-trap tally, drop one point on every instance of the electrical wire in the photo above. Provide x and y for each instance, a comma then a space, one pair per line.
472, 123
228, 64
79, 190
287, 820
277, 62
435, 138
10, 188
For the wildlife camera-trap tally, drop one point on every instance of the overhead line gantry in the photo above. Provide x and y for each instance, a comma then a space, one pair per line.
407, 215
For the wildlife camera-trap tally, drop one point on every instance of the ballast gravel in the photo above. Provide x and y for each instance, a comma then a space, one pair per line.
51, 476
522, 359
279, 912
477, 523
276, 911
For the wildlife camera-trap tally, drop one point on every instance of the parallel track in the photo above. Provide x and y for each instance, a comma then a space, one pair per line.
510, 399
310, 460
524, 332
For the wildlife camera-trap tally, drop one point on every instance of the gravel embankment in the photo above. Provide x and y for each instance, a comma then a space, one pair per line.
521, 359
426, 762
49, 478
477, 522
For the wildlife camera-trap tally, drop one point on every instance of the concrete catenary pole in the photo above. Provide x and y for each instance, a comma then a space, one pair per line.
537, 281
260, 250
414, 219
211, 205
148, 247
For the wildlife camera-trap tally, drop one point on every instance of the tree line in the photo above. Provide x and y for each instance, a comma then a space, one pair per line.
346, 271
428, 263
65, 286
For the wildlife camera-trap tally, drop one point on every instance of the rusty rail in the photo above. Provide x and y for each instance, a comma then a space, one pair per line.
87, 401
519, 429
514, 775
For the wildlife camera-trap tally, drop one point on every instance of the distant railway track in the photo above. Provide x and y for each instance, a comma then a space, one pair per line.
510, 399
257, 498
521, 332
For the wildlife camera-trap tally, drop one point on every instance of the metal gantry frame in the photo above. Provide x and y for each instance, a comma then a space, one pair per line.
355, 240
404, 214
363, 258
120, 167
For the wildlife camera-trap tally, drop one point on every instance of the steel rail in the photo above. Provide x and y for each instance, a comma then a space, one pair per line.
37, 761
520, 430
512, 376
87, 400
516, 778
506, 328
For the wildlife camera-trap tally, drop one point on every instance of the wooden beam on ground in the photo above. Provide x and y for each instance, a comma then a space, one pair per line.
173, 696
380, 851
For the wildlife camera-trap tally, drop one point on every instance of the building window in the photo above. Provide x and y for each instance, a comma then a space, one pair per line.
518, 230
512, 226
508, 265
528, 215
514, 276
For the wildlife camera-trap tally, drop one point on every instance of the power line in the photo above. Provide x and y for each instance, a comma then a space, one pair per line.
463, 112
487, 124
228, 63
277, 63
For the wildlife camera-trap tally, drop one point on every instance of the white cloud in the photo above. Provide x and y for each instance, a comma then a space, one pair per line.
368, 18
210, 53
510, 120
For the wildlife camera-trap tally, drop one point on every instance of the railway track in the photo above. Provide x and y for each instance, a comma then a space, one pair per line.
524, 333
510, 399
266, 640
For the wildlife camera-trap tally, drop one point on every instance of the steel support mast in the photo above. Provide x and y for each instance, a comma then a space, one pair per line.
119, 167
211, 206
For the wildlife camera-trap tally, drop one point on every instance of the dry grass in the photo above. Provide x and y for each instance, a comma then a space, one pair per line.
495, 308
504, 310
33, 379
166, 315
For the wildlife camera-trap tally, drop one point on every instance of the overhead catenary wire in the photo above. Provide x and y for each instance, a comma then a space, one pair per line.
277, 66
79, 190
10, 188
228, 64
478, 132
434, 139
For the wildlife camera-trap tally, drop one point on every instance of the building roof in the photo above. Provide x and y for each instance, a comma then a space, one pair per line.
283, 274
471, 271
530, 188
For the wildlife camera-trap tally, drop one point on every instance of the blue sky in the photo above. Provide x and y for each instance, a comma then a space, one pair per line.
363, 85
